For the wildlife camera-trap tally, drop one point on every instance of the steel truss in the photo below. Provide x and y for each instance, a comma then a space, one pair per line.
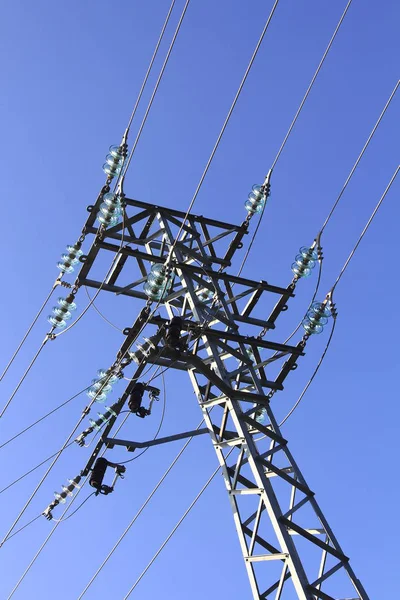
287, 545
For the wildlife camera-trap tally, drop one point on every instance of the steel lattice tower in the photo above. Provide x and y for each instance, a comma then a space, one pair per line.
288, 547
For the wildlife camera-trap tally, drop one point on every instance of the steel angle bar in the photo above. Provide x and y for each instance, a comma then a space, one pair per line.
131, 445
181, 215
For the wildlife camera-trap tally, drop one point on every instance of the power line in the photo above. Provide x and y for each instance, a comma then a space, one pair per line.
65, 445
24, 526
10, 362
75, 511
141, 509
309, 382
364, 231
331, 292
155, 88
44, 417
61, 520
59, 277
341, 191
126, 167
221, 133
99, 312
296, 116
32, 470
183, 517
34, 359
371, 135
56, 457
150, 64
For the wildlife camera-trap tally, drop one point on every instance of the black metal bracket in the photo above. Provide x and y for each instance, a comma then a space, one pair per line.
131, 445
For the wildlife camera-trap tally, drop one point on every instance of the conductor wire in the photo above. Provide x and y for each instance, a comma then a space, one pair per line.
126, 167
364, 231
248, 69
309, 382
150, 65
296, 116
141, 509
34, 559
14, 356
330, 293
338, 198
179, 523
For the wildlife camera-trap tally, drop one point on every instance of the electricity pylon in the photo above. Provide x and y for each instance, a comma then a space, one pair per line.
288, 547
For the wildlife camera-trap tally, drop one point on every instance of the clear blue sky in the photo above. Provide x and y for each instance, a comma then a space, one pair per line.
70, 75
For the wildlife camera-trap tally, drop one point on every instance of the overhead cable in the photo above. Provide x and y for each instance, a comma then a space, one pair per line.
221, 133
364, 231
330, 293
337, 200
371, 135
44, 417
183, 517
141, 509
34, 359
314, 77
150, 65
309, 382
61, 520
61, 274
43, 462
135, 143
14, 356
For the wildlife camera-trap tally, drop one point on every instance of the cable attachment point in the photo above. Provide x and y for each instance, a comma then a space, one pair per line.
98, 473
61, 497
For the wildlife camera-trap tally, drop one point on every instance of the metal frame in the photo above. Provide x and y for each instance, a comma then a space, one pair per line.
284, 537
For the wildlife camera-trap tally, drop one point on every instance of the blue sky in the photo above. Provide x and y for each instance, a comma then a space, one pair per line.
71, 73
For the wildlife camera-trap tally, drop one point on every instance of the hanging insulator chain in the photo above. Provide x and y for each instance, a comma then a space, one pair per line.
115, 160
103, 384
257, 198
305, 262
63, 312
96, 425
111, 210
70, 258
61, 497
159, 282
317, 318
